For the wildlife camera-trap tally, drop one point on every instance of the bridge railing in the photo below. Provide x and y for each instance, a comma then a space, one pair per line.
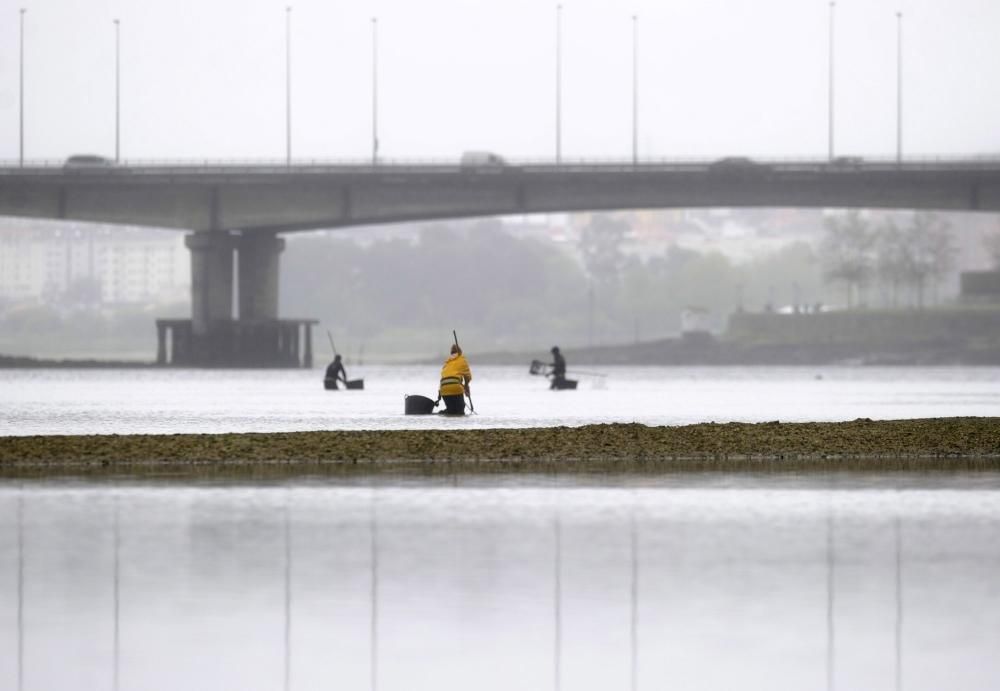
248, 166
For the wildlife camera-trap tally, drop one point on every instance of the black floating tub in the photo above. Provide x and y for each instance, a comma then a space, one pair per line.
418, 405
331, 384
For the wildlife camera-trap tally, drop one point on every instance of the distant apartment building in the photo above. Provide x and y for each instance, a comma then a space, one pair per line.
73, 263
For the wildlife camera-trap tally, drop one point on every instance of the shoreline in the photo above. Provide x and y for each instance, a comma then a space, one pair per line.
676, 352
22, 362
891, 445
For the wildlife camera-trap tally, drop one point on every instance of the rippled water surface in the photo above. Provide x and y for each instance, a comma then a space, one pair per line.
465, 582
172, 401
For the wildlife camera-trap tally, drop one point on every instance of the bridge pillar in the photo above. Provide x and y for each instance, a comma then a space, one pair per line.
211, 279
258, 255
307, 356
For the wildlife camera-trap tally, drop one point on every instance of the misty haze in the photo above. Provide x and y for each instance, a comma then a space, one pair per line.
476, 344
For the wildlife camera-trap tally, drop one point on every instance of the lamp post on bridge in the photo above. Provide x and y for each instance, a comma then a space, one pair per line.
374, 91
288, 85
830, 85
118, 84
635, 90
899, 88
21, 93
558, 84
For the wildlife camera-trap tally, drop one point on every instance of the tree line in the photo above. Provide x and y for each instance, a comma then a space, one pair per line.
514, 293
903, 261
401, 297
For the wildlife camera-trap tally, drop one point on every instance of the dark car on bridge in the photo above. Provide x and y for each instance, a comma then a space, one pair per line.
736, 166
847, 162
87, 161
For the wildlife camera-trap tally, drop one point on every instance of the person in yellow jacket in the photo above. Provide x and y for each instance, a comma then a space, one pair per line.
455, 378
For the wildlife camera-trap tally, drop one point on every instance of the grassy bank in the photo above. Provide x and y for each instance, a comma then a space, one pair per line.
945, 443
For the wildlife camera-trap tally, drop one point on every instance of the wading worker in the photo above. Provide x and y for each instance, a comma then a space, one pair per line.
335, 370
455, 378
558, 366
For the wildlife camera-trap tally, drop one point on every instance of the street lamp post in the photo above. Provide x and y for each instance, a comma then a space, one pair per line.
899, 88
288, 85
21, 96
558, 84
118, 84
830, 85
374, 91
635, 90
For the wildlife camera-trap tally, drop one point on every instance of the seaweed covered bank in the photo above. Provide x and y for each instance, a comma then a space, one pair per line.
860, 444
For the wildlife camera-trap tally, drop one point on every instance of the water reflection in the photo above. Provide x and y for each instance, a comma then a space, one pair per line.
898, 534
634, 631
557, 610
499, 587
117, 578
830, 605
288, 598
20, 590
373, 637
830, 561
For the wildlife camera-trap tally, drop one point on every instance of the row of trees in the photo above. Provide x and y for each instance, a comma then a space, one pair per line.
397, 296
992, 244
509, 293
402, 297
904, 261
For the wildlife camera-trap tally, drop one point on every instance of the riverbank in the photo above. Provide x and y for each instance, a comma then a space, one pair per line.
939, 443
702, 349
26, 362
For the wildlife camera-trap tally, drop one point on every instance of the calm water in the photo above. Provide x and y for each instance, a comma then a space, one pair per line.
170, 401
465, 582
679, 582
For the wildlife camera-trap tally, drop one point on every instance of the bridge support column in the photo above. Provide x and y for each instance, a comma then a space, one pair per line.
307, 356
211, 280
212, 338
259, 273
161, 343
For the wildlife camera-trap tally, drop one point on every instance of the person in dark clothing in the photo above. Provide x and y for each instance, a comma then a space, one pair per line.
335, 371
558, 372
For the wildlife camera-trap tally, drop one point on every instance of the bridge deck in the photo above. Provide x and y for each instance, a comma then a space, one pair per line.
274, 197
313, 168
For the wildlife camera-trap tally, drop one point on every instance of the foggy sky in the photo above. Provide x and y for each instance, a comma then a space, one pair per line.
206, 78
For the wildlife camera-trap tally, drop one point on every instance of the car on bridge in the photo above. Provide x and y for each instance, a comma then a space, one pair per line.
736, 166
847, 162
87, 161
479, 160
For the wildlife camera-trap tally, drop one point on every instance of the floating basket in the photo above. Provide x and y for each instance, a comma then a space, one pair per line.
418, 405
331, 384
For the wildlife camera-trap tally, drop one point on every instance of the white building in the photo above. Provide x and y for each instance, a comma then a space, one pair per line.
71, 262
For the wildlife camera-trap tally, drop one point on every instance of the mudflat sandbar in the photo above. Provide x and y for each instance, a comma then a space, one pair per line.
938, 443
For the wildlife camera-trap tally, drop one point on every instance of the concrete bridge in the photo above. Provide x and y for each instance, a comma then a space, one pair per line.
239, 210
